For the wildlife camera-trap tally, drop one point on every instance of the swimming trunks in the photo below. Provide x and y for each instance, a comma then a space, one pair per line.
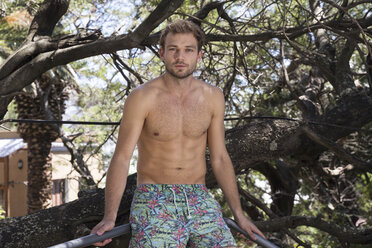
177, 216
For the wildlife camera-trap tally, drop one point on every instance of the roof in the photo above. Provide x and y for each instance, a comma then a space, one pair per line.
10, 145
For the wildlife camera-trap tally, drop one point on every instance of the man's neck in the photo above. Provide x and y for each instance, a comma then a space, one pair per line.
177, 86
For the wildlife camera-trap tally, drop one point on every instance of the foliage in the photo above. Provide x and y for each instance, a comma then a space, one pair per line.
15, 20
2, 213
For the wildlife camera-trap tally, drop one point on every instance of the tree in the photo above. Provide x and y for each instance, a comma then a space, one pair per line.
48, 103
44, 99
305, 63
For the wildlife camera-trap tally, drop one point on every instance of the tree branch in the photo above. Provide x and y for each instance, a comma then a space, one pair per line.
46, 18
16, 73
77, 161
338, 150
351, 235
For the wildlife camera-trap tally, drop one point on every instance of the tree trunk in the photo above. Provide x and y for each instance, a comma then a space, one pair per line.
65, 222
47, 103
39, 175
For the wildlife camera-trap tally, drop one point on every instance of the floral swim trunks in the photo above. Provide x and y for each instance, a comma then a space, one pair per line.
177, 216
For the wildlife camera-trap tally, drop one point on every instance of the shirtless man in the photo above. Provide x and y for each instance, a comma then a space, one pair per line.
172, 119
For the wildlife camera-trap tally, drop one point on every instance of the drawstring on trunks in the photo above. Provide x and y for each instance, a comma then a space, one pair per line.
187, 202
174, 198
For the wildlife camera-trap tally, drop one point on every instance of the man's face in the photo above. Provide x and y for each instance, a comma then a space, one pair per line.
180, 54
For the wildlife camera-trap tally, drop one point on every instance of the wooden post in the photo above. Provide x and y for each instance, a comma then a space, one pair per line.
2, 185
6, 184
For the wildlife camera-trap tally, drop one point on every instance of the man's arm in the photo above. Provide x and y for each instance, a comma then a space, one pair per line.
222, 166
134, 115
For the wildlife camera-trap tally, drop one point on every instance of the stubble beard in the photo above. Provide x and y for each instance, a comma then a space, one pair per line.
180, 75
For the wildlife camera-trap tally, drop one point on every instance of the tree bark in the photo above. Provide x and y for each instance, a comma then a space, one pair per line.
39, 175
65, 222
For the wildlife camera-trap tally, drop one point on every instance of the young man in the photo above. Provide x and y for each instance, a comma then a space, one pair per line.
172, 119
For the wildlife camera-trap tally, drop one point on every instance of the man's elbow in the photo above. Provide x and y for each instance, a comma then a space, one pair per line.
220, 161
120, 160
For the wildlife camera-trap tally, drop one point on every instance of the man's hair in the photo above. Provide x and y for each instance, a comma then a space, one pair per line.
180, 27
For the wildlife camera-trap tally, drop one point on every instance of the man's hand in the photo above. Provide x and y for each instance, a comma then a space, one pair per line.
249, 227
101, 228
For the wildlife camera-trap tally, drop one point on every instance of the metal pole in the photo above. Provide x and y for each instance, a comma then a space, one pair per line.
259, 240
124, 229
94, 238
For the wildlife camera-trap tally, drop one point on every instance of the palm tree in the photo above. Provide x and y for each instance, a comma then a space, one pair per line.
44, 100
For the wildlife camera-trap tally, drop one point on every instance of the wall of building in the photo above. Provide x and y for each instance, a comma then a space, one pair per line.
3, 186
17, 184
63, 176
62, 169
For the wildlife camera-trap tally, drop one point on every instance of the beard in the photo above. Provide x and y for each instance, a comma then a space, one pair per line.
181, 74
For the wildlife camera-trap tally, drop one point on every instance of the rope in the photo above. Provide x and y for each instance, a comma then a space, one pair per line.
38, 121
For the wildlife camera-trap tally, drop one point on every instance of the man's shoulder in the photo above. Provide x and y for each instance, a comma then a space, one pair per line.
149, 88
209, 89
143, 96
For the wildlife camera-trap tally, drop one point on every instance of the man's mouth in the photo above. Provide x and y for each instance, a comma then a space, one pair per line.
180, 65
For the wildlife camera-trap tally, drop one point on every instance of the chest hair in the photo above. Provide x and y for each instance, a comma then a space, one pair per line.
171, 117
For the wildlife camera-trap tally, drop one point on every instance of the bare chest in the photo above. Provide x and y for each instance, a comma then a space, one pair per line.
172, 117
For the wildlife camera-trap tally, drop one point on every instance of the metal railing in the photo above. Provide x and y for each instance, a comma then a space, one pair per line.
125, 229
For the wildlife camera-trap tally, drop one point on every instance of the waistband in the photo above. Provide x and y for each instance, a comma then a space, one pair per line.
177, 188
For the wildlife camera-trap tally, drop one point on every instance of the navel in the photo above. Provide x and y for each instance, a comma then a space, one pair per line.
156, 134
179, 168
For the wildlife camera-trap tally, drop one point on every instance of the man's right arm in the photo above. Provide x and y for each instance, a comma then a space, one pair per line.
134, 115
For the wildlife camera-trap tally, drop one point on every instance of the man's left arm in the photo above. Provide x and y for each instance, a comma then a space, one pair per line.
222, 166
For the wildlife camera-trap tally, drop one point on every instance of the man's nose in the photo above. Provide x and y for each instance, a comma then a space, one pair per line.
179, 54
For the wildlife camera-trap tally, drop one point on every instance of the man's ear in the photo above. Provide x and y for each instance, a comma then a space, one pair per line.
200, 55
161, 53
